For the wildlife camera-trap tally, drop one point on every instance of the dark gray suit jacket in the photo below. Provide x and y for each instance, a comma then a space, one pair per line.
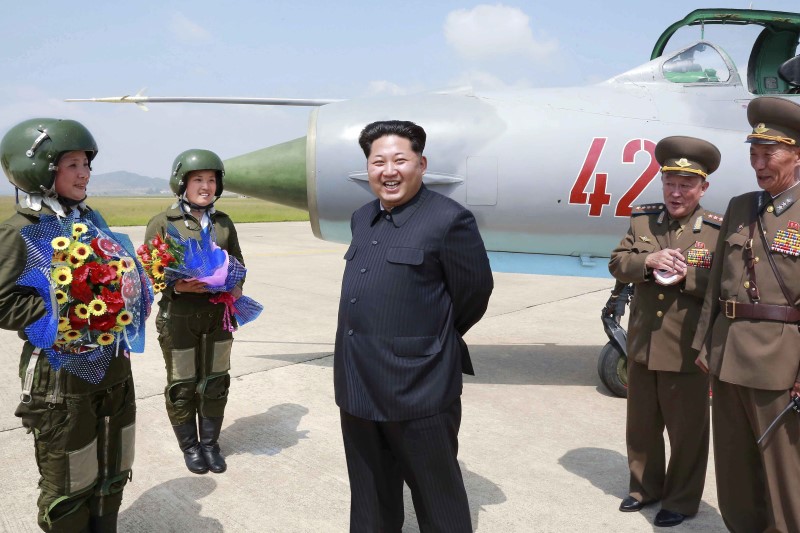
416, 280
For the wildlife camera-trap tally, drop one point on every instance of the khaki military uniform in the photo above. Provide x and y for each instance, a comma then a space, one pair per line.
754, 363
83, 433
665, 387
196, 348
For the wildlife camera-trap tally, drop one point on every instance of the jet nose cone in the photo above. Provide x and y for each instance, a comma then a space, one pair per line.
276, 174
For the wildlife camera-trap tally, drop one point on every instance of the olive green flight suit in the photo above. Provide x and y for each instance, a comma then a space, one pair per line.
196, 348
83, 433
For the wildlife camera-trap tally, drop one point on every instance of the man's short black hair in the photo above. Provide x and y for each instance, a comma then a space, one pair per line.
402, 128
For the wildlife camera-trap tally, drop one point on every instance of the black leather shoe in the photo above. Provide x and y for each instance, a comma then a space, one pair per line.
666, 518
631, 504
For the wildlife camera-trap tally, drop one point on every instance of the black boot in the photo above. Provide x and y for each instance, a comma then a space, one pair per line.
103, 524
209, 433
192, 454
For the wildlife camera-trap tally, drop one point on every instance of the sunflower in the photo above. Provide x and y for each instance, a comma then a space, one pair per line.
74, 262
61, 297
81, 251
63, 324
62, 275
117, 329
72, 335
126, 264
124, 318
104, 339
79, 229
158, 287
82, 311
157, 270
60, 243
97, 307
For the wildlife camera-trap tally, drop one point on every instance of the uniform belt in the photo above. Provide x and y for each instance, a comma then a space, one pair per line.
779, 313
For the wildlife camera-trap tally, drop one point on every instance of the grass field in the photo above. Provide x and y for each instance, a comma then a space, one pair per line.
121, 211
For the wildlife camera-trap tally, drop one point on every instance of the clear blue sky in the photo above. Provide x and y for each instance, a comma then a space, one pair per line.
51, 50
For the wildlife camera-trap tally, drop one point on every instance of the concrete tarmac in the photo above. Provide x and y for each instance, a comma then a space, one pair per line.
542, 442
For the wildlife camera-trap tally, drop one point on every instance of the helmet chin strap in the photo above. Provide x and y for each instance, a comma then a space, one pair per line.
194, 206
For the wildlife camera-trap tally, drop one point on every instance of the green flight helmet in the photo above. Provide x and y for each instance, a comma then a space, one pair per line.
191, 160
29, 151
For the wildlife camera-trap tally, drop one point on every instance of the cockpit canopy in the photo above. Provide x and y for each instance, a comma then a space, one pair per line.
775, 46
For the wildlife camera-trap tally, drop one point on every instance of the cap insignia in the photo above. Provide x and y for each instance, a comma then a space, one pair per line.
683, 162
760, 128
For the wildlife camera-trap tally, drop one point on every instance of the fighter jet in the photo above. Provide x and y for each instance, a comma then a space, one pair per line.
550, 174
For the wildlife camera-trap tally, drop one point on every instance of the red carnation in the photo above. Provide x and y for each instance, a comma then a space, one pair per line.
81, 273
112, 299
167, 259
104, 322
156, 241
101, 274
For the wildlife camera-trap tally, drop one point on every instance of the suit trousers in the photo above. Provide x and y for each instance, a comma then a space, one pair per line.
758, 487
679, 402
422, 452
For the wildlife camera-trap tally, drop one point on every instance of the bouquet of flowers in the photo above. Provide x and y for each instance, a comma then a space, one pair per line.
96, 298
168, 258
158, 255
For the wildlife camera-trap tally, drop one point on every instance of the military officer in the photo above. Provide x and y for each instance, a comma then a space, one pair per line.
196, 346
748, 331
78, 402
667, 253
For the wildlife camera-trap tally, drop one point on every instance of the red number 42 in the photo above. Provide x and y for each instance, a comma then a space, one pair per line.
599, 197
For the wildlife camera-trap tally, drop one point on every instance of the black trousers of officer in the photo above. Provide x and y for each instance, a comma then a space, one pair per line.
423, 453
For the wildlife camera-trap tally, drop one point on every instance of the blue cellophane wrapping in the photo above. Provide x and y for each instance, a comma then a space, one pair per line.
137, 293
202, 258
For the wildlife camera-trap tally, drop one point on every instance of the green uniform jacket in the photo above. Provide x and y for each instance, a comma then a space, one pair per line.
663, 318
761, 354
19, 306
226, 239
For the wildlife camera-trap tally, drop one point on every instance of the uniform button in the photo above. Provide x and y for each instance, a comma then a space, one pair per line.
388, 217
374, 243
363, 270
350, 332
770, 209
660, 296
746, 284
659, 314
353, 300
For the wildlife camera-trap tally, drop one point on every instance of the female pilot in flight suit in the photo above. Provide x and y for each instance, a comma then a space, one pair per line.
195, 344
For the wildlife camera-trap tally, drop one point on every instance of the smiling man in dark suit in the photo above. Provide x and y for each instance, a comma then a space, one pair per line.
417, 278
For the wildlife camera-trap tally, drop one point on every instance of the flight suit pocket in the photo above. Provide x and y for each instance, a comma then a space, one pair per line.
405, 256
416, 346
